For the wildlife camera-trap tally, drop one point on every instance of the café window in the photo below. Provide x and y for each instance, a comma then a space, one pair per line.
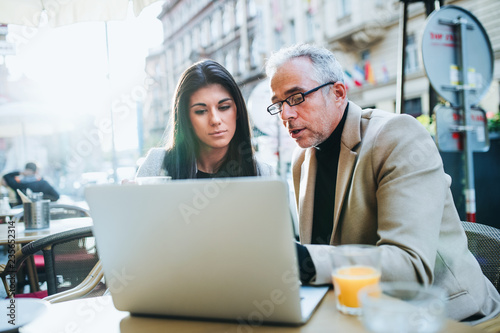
413, 107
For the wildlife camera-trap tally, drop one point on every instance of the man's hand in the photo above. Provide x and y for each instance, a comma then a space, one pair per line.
306, 266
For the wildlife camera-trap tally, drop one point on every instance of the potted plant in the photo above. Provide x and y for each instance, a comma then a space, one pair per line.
493, 124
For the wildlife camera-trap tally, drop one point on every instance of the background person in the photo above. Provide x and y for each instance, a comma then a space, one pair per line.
211, 134
29, 179
371, 177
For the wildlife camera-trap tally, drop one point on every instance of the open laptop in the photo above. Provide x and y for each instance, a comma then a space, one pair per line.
217, 249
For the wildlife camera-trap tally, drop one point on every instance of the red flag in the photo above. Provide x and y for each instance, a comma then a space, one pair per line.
369, 77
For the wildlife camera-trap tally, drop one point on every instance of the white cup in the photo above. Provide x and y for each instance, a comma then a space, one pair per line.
152, 180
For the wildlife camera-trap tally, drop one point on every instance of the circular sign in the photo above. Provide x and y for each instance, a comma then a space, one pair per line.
441, 53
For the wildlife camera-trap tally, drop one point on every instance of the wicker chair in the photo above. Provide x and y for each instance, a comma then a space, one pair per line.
57, 212
63, 211
69, 257
484, 243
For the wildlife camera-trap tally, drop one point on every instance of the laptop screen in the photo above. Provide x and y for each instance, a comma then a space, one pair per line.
217, 248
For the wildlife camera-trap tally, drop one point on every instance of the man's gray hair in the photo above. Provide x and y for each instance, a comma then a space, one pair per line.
326, 66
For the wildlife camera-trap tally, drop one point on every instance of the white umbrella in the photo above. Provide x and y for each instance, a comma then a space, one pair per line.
63, 12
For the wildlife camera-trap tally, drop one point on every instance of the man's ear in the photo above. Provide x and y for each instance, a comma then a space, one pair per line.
340, 91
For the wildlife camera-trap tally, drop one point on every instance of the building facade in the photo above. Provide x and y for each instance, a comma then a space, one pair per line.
241, 34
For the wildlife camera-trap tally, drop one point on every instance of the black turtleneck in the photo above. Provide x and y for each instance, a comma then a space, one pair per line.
327, 156
201, 174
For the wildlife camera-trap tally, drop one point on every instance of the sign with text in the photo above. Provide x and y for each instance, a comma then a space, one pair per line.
441, 46
450, 131
7, 48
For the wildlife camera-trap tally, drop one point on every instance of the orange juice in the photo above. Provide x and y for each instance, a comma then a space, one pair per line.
348, 281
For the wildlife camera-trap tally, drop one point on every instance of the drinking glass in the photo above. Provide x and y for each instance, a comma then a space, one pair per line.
403, 307
354, 267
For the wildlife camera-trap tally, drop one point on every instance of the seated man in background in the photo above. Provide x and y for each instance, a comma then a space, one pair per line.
29, 179
371, 177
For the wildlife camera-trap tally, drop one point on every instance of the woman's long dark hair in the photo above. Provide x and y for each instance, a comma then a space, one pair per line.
184, 146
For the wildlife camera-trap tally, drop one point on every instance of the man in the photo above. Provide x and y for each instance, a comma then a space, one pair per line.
29, 179
371, 177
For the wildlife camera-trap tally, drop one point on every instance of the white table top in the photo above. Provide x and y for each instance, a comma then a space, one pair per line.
23, 236
99, 315
11, 213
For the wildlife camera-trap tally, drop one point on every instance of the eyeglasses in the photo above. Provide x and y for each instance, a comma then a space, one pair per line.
295, 99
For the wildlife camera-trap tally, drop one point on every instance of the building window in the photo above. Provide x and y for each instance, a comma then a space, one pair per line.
226, 20
254, 54
178, 50
411, 53
413, 107
205, 34
344, 8
187, 45
229, 61
196, 38
241, 60
215, 24
277, 39
240, 13
168, 26
291, 30
252, 8
310, 26
365, 55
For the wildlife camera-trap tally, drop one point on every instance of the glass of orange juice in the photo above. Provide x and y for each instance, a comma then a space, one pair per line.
354, 267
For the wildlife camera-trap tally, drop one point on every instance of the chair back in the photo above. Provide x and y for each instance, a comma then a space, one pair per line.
71, 262
484, 243
64, 211
69, 257
59, 211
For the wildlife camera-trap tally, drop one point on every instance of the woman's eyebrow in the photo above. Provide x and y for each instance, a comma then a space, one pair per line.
203, 104
225, 100
197, 104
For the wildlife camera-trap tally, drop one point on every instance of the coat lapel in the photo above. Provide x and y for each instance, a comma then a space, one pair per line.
351, 137
306, 204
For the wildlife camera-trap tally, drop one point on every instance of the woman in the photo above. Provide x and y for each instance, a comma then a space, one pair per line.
210, 134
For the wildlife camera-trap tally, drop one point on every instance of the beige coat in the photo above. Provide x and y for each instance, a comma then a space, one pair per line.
392, 192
